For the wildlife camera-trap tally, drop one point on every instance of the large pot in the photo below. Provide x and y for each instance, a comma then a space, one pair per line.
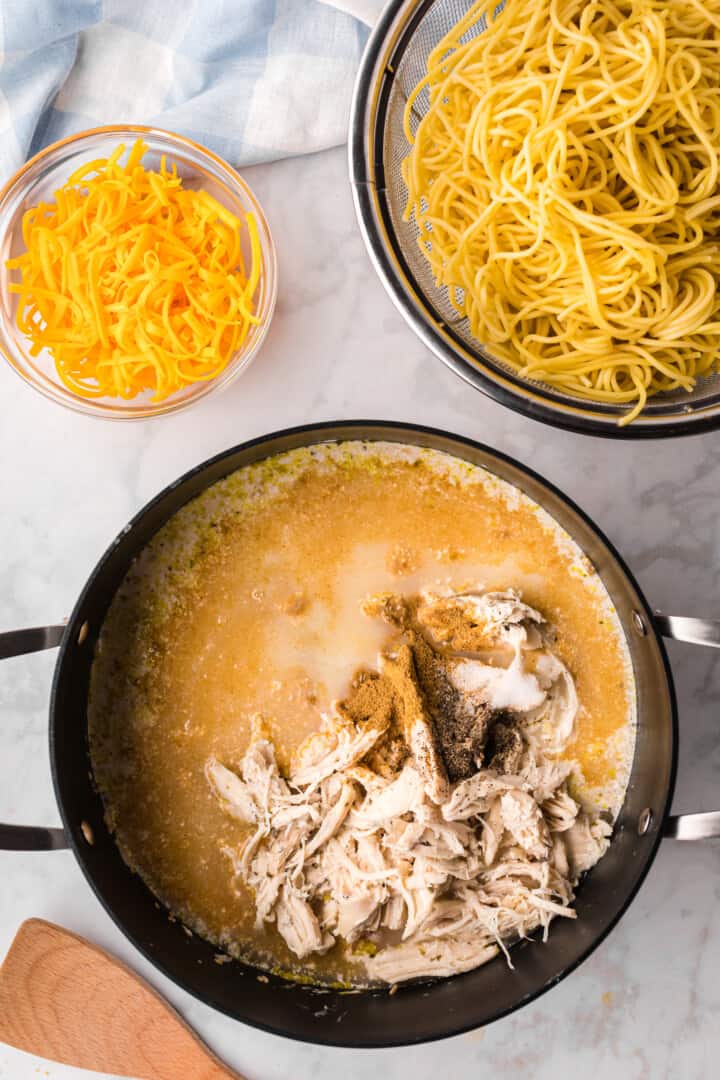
416, 1012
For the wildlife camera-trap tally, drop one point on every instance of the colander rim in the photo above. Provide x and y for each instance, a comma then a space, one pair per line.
387, 43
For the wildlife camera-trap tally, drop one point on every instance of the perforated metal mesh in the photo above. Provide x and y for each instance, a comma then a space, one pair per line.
408, 67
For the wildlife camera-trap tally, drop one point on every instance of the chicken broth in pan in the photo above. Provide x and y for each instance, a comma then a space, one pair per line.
360, 713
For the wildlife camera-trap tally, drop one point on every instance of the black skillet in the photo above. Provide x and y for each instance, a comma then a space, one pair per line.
373, 1018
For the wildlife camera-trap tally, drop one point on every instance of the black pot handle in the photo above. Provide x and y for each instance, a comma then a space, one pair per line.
694, 632
30, 837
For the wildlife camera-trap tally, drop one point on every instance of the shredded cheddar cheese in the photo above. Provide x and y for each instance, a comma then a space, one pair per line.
133, 282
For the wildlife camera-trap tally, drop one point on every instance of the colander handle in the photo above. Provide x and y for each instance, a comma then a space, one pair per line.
366, 11
694, 632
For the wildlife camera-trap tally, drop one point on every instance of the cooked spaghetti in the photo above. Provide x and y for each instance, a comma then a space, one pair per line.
565, 181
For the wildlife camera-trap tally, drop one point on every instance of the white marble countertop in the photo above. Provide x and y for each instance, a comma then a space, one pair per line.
647, 1003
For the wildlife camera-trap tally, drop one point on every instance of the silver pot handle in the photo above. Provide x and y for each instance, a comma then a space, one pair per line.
693, 826
694, 632
30, 837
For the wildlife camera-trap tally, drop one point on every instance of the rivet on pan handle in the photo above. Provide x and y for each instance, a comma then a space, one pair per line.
695, 632
30, 837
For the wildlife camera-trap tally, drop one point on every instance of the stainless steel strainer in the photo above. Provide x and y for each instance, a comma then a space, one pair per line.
393, 63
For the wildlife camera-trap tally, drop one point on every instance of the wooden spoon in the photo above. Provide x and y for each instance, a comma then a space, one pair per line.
65, 999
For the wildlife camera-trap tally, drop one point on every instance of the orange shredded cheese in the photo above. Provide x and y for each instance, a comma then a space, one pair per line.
133, 282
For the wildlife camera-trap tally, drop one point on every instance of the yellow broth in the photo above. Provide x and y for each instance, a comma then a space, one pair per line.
249, 602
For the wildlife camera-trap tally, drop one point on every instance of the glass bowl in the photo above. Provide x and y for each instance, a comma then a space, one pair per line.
48, 171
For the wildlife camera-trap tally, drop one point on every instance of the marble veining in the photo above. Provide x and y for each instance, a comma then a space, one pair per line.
647, 1003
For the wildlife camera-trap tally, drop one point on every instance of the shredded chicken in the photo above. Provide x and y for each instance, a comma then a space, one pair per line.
420, 876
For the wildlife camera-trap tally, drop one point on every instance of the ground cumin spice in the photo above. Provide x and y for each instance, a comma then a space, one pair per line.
415, 687
454, 627
372, 699
415, 720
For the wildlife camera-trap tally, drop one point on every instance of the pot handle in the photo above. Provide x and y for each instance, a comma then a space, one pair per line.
693, 826
30, 837
694, 632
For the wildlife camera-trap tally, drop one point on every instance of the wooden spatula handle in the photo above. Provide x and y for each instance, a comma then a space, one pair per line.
65, 999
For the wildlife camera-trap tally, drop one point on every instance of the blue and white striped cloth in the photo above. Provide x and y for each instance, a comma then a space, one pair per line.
254, 80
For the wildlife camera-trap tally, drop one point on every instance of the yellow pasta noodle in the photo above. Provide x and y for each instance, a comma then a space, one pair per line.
565, 180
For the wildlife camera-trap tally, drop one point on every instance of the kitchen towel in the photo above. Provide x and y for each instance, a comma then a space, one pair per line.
254, 80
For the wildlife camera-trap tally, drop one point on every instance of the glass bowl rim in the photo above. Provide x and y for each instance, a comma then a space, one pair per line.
228, 174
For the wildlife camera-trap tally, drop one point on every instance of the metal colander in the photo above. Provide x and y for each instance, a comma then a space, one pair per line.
393, 64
